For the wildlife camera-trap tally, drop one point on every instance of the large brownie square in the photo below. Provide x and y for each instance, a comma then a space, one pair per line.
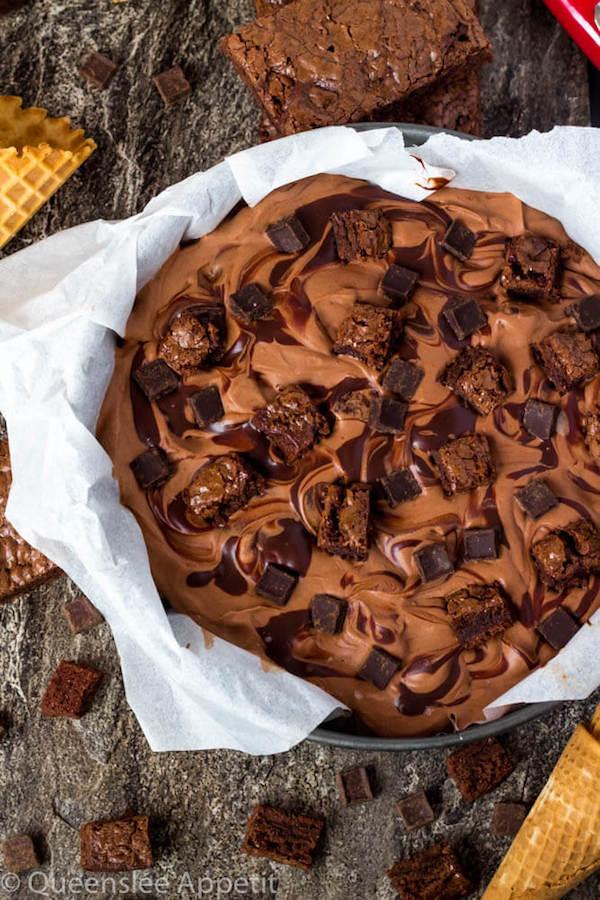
464, 464
368, 334
532, 268
220, 488
478, 378
284, 837
477, 613
70, 690
360, 233
291, 422
568, 358
431, 874
344, 526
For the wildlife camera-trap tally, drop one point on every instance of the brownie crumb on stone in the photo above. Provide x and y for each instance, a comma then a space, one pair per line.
479, 768
344, 526
368, 334
464, 464
478, 612
19, 854
431, 874
121, 845
71, 690
220, 488
361, 233
284, 837
291, 422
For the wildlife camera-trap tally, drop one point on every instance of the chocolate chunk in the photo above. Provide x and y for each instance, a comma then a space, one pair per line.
478, 613
464, 464
536, 498
81, 615
399, 283
368, 334
507, 819
558, 628
459, 240
361, 233
172, 85
194, 339
156, 379
539, 418
250, 304
288, 235
220, 488
586, 313
379, 668
591, 430
328, 613
344, 527
151, 468
399, 486
478, 378
479, 768
281, 836
433, 561
568, 358
354, 786
291, 422
403, 378
118, 846
532, 268
431, 874
277, 583
19, 854
207, 406
98, 69
415, 811
70, 690
480, 543
388, 415
356, 404
465, 318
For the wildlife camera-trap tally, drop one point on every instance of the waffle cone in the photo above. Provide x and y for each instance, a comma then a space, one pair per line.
37, 155
558, 845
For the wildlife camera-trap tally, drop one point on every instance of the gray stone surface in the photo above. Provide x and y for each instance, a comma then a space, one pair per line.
56, 774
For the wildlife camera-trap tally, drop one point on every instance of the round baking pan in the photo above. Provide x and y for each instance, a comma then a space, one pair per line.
415, 135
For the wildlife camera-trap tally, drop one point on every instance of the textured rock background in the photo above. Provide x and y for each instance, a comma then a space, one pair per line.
56, 774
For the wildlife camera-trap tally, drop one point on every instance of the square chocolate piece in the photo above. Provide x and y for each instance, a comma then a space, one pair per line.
98, 69
151, 468
361, 233
465, 318
398, 283
586, 313
539, 418
536, 498
507, 819
532, 268
480, 543
250, 304
328, 613
291, 422
81, 615
71, 690
433, 562
354, 786
479, 768
344, 527
478, 378
277, 583
207, 406
288, 235
282, 836
220, 488
122, 845
379, 668
459, 240
399, 486
478, 613
19, 854
415, 811
431, 874
464, 464
156, 379
172, 85
368, 334
568, 358
388, 415
403, 378
558, 628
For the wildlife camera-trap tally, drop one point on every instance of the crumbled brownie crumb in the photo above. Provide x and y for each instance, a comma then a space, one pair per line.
284, 837
292, 423
361, 233
344, 526
464, 464
478, 378
479, 768
533, 268
71, 690
368, 334
118, 846
19, 854
431, 874
568, 358
478, 613
220, 488
591, 430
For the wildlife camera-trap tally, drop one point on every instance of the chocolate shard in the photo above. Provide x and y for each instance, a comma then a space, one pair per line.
207, 406
379, 668
539, 418
388, 415
568, 359
81, 615
532, 268
403, 378
277, 583
344, 527
288, 235
398, 283
172, 85
70, 690
479, 378
465, 318
479, 768
415, 811
478, 613
431, 874
122, 845
536, 498
459, 240
368, 334
507, 819
151, 468
586, 313
98, 69
285, 837
19, 854
433, 562
464, 464
399, 486
354, 786
361, 233
250, 304
156, 379
558, 628
328, 613
480, 543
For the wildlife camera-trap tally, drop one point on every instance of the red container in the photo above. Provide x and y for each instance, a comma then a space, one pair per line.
578, 17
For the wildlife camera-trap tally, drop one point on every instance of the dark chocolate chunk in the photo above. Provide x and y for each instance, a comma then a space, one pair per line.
480, 543
478, 378
459, 240
478, 613
344, 527
277, 583
156, 379
399, 486
399, 283
250, 303
536, 498
465, 318
354, 786
479, 768
70, 690
403, 378
19, 854
291, 422
122, 845
558, 628
368, 334
568, 358
172, 85
586, 313
415, 811
539, 418
81, 615
151, 468
98, 69
361, 233
220, 488
207, 406
507, 819
379, 668
431, 874
388, 415
282, 836
288, 235
532, 268
464, 464
433, 562
328, 613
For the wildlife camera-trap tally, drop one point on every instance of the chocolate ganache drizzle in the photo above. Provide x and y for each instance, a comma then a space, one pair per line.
210, 573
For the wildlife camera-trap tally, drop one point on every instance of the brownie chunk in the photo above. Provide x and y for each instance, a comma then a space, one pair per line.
118, 846
193, 340
288, 235
354, 786
291, 422
591, 430
344, 527
19, 854
464, 464
433, 561
156, 379
558, 628
568, 359
399, 486
250, 304
71, 690
539, 418
277, 583
480, 543
220, 488
567, 555
431, 874
465, 318
388, 415
356, 404
479, 768
507, 819
281, 836
328, 613
207, 406
478, 378
379, 668
151, 468
81, 615
415, 811
361, 233
459, 240
532, 268
398, 283
368, 334
586, 313
536, 498
478, 613
403, 378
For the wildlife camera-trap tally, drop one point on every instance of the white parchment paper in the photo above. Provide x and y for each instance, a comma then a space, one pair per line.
60, 301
